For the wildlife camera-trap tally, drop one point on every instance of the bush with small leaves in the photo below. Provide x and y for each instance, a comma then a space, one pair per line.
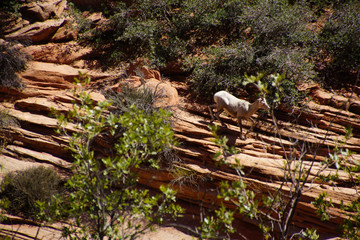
340, 40
12, 61
11, 6
105, 199
165, 30
7, 120
25, 189
273, 39
220, 68
143, 98
341, 159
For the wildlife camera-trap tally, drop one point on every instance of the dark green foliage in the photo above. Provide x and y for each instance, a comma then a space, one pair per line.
143, 99
277, 24
319, 6
222, 68
351, 226
277, 41
12, 61
281, 90
24, 189
6, 120
217, 42
340, 40
130, 32
82, 24
10, 6
164, 30
105, 200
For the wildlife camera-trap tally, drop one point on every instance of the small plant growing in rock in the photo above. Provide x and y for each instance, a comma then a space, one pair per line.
12, 61
273, 211
143, 98
341, 159
23, 190
7, 120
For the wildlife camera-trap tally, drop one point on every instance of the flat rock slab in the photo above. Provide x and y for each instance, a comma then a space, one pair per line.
57, 73
37, 32
9, 164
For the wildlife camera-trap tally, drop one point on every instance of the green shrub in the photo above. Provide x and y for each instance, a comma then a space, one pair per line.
12, 61
280, 90
275, 38
281, 37
165, 30
220, 68
130, 33
275, 34
143, 99
106, 201
11, 6
7, 120
24, 189
217, 42
340, 40
82, 25
319, 6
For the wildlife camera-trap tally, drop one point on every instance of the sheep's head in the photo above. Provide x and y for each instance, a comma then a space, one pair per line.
263, 104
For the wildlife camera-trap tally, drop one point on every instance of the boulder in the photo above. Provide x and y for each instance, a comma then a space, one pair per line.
42, 10
149, 73
57, 73
322, 96
350, 103
61, 53
65, 33
167, 94
96, 18
12, 24
60, 7
354, 107
37, 32
140, 69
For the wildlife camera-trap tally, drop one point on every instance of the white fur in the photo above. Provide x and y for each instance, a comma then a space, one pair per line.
235, 107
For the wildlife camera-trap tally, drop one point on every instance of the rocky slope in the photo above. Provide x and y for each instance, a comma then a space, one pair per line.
57, 59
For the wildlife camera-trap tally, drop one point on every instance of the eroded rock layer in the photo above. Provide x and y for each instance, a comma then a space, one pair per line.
307, 134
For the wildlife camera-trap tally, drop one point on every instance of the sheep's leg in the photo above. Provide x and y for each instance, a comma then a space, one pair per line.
253, 121
240, 126
217, 115
211, 112
253, 125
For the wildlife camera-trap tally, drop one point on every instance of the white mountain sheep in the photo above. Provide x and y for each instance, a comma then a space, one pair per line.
235, 107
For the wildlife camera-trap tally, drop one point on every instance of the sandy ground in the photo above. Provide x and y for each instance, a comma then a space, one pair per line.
27, 232
166, 233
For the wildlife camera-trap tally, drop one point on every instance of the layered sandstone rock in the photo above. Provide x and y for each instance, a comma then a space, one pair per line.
37, 32
42, 10
262, 154
321, 123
